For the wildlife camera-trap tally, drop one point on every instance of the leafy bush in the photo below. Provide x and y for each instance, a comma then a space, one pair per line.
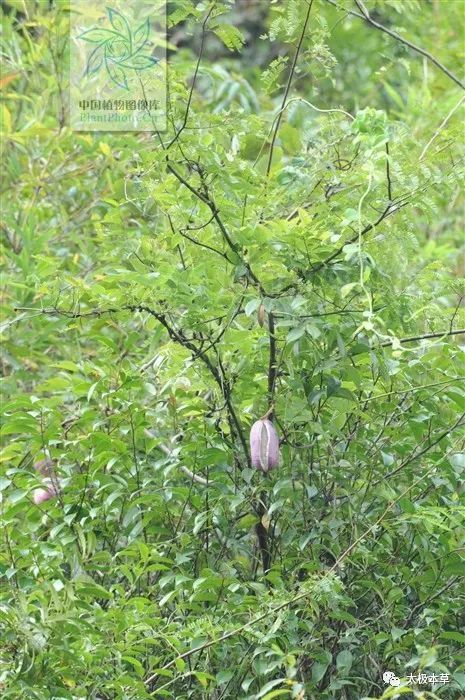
291, 247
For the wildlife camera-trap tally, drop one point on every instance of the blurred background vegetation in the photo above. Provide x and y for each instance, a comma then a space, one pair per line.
133, 358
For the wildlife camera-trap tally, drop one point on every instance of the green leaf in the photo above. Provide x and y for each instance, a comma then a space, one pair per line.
139, 62
97, 36
455, 636
95, 60
119, 22
223, 677
388, 459
141, 35
252, 306
294, 334
230, 35
116, 73
319, 669
93, 590
276, 693
135, 663
4, 483
344, 660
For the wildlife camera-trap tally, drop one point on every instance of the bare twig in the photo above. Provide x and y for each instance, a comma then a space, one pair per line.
194, 80
457, 306
420, 453
441, 126
390, 209
178, 336
388, 174
205, 198
425, 336
288, 87
272, 364
369, 20
414, 389
169, 453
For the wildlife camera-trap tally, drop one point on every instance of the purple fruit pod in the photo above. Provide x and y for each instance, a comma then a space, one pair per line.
264, 445
42, 495
45, 467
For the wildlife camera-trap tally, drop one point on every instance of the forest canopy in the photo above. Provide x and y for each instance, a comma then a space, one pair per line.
287, 257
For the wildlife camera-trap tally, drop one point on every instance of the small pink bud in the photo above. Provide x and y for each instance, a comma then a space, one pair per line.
44, 467
42, 495
264, 445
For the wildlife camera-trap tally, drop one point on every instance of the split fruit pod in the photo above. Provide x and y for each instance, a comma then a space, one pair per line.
264, 445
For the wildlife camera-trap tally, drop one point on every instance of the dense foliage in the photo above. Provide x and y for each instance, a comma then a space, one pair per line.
292, 247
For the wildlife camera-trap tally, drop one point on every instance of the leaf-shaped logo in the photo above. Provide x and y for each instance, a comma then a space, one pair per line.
141, 35
97, 36
119, 23
118, 48
94, 60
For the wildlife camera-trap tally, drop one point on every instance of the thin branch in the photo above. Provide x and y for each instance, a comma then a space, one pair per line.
184, 182
238, 311
187, 342
205, 198
390, 209
201, 226
339, 312
416, 455
455, 312
272, 364
427, 601
261, 509
177, 336
369, 20
182, 232
194, 80
411, 339
169, 453
69, 314
413, 389
441, 127
223, 385
388, 173
425, 336
288, 87
185, 235
279, 115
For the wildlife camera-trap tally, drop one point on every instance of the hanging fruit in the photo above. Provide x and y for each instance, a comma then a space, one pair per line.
264, 445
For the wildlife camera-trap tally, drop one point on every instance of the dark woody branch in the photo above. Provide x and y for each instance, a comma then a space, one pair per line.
365, 15
95, 313
207, 200
391, 208
177, 336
